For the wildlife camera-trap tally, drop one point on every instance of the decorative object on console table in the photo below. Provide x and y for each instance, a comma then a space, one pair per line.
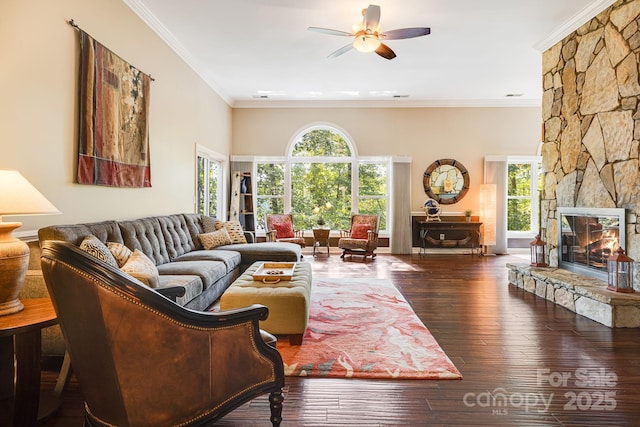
467, 215
17, 197
620, 272
432, 210
538, 252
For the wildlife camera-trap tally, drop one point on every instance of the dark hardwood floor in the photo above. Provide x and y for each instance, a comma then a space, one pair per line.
524, 361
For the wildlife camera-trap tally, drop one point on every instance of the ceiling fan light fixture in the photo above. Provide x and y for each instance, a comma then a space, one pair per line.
366, 42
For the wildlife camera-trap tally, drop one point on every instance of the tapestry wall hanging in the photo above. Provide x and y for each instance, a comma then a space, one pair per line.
113, 146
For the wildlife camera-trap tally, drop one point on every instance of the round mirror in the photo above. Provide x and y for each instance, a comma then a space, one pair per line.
446, 181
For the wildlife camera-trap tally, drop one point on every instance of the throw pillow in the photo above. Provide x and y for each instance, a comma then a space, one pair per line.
284, 230
94, 246
360, 231
215, 239
120, 252
234, 229
142, 268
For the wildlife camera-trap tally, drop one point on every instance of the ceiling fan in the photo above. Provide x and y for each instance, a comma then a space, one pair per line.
367, 36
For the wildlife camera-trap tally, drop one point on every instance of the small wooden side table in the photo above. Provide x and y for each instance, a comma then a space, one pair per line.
22, 331
321, 238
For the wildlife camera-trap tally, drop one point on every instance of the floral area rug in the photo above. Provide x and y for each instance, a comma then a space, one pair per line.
364, 328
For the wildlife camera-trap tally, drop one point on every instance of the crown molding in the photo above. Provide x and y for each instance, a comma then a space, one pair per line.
150, 19
392, 103
579, 19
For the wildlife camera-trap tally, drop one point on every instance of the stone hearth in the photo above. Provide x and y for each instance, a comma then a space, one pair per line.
583, 295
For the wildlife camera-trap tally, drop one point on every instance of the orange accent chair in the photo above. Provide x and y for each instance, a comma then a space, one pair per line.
280, 229
362, 237
143, 360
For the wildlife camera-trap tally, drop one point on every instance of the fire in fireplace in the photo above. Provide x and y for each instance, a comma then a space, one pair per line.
587, 237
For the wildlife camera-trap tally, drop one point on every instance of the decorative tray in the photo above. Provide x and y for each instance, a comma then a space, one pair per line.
274, 271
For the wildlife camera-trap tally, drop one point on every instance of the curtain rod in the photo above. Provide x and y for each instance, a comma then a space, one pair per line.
74, 25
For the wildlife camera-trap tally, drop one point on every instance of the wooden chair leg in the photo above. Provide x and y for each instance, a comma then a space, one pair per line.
275, 401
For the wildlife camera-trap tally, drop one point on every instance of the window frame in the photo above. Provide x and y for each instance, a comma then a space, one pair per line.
353, 159
222, 184
534, 196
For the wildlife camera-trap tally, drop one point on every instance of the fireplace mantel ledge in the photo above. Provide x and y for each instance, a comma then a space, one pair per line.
581, 294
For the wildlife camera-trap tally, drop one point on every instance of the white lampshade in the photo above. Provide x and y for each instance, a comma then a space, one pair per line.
488, 213
19, 197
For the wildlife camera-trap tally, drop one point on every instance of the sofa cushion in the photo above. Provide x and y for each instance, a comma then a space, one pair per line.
120, 252
208, 271
142, 268
106, 231
229, 257
177, 235
215, 238
93, 246
145, 234
191, 284
235, 230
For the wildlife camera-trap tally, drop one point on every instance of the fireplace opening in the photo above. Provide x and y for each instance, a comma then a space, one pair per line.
587, 237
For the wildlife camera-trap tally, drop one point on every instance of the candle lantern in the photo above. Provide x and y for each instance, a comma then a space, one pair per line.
538, 252
620, 272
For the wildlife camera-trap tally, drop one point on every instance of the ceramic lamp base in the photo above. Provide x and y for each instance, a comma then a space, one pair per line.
14, 261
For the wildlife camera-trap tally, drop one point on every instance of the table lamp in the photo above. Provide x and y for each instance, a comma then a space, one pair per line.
17, 197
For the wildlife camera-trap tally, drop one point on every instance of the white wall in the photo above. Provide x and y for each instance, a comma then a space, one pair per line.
425, 134
39, 107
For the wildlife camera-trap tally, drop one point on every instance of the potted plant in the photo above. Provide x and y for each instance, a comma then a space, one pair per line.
467, 215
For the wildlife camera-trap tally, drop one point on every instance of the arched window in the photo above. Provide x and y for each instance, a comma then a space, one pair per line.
322, 180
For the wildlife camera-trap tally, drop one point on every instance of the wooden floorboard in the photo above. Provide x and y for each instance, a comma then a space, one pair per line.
506, 343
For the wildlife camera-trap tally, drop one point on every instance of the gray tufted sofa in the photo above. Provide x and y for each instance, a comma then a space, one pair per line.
171, 241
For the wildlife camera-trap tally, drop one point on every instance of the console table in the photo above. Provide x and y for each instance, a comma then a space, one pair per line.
449, 234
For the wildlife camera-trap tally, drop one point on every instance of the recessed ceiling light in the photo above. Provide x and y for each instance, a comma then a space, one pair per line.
401, 96
513, 95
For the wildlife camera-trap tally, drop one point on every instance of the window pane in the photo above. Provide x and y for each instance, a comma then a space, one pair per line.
213, 188
270, 179
200, 185
321, 143
372, 179
315, 184
519, 214
519, 179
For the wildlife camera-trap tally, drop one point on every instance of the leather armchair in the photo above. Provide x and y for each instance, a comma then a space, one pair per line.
142, 360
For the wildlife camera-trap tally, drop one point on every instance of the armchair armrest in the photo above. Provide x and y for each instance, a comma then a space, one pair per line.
271, 236
298, 233
372, 237
345, 233
249, 236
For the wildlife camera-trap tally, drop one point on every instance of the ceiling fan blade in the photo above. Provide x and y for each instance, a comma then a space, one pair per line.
405, 33
329, 31
385, 51
343, 49
372, 17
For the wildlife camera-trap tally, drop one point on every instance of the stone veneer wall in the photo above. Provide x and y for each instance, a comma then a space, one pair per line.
591, 115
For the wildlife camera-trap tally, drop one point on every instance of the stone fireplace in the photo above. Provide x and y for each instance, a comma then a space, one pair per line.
587, 237
590, 159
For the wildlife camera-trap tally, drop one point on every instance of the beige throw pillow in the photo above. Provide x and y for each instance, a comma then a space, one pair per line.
215, 239
142, 268
234, 229
120, 252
